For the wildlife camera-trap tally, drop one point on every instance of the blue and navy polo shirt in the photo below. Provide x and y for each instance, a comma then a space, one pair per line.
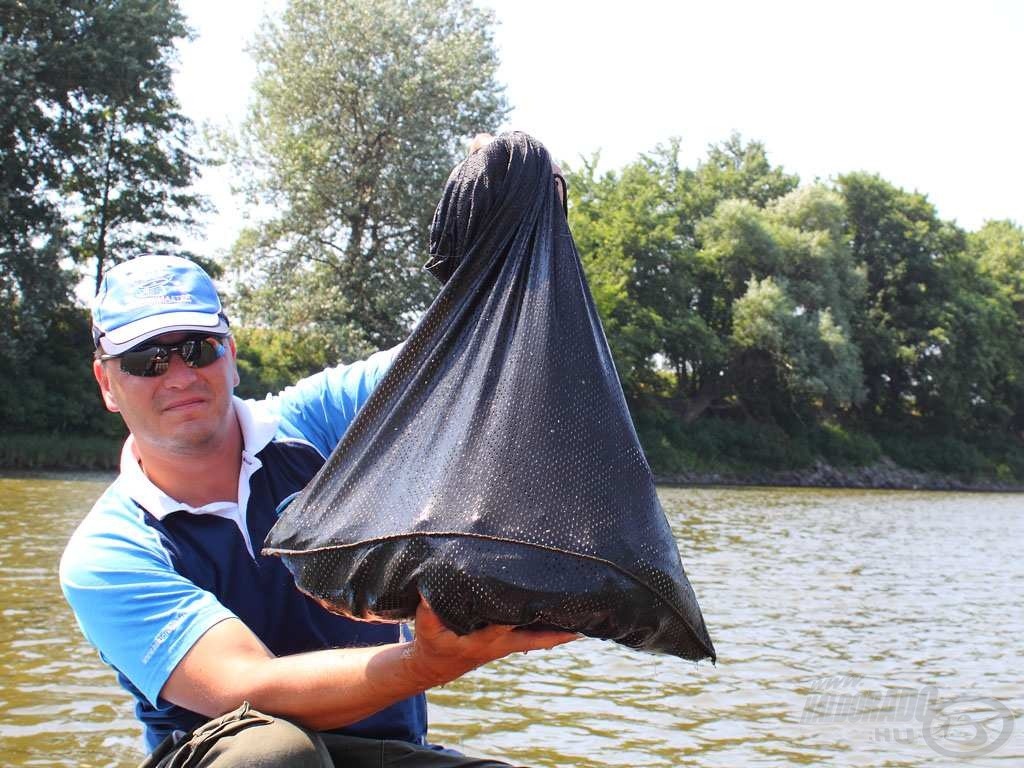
147, 575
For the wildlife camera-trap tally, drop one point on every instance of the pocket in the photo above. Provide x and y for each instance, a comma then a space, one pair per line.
195, 746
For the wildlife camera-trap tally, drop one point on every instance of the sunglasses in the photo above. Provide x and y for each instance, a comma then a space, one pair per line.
155, 359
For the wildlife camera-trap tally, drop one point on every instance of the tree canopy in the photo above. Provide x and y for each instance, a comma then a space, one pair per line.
358, 114
753, 320
729, 291
97, 167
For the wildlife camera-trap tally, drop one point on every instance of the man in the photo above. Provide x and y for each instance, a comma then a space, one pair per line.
229, 663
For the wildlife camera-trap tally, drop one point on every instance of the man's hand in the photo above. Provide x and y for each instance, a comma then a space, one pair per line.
481, 140
438, 655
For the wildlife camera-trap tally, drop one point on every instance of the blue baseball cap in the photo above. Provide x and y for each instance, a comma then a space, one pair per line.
152, 295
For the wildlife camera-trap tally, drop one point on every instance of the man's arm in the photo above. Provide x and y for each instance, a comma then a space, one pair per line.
334, 688
320, 408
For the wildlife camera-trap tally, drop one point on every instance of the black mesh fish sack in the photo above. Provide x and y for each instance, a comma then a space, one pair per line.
495, 470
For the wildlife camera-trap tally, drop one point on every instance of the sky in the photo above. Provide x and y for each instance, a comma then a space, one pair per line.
926, 94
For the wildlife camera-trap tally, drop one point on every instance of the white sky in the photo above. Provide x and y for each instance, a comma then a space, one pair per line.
927, 94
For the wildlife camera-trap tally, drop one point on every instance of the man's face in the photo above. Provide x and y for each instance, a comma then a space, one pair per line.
182, 411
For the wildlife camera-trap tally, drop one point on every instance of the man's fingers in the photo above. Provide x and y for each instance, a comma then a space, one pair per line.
479, 141
504, 639
491, 641
539, 639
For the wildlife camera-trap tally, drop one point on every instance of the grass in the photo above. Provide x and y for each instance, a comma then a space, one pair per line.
59, 451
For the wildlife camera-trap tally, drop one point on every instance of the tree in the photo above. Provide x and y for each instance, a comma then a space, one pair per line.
360, 111
969, 381
721, 284
785, 286
637, 231
998, 251
96, 162
130, 189
908, 255
734, 169
698, 346
270, 359
625, 228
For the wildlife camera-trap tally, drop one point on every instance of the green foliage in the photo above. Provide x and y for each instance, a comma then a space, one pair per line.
998, 250
905, 249
755, 324
50, 405
715, 445
728, 277
1005, 452
788, 285
659, 294
53, 390
96, 159
738, 171
842, 447
635, 265
44, 451
943, 454
937, 324
270, 360
727, 290
96, 167
130, 190
360, 111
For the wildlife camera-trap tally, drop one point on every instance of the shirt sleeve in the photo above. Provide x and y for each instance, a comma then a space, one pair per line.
130, 602
320, 408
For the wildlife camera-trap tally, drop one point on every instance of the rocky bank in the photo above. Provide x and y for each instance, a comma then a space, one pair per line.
882, 474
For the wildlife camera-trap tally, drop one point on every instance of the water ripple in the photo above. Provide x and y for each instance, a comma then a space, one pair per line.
878, 597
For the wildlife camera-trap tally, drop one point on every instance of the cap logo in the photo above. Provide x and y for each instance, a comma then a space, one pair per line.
158, 289
153, 287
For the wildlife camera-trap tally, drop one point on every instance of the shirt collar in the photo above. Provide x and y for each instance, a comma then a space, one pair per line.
258, 428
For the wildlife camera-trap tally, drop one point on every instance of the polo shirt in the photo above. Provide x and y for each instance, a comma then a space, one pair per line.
147, 575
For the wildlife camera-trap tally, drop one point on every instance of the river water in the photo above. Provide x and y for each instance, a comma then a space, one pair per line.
853, 628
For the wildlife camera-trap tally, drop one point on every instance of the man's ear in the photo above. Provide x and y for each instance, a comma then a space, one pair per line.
100, 372
234, 361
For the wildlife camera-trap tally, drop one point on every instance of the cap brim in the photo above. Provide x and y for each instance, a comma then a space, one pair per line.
131, 335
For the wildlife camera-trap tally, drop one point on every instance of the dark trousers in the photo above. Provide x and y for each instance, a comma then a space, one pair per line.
246, 738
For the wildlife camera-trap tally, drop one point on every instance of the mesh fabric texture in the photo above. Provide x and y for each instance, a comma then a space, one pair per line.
495, 469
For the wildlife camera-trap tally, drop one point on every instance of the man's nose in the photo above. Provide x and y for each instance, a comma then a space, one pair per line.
178, 374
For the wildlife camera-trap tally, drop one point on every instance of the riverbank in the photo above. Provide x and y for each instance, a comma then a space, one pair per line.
59, 452
35, 453
884, 474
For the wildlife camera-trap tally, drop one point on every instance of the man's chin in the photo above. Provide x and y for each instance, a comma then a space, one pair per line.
192, 432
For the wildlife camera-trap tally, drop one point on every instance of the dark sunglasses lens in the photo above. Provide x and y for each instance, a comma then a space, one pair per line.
200, 353
155, 360
148, 361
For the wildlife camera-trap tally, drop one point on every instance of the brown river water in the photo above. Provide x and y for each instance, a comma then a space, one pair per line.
854, 628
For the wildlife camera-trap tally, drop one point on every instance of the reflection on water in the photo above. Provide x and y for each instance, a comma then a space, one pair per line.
813, 597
